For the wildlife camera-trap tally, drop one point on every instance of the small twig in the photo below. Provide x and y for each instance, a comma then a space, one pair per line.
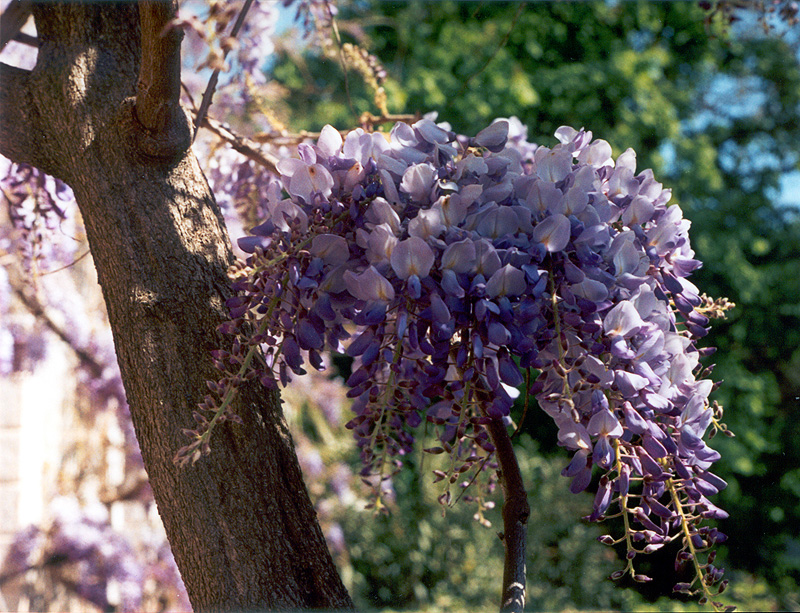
205, 103
496, 51
38, 310
368, 120
342, 60
243, 145
65, 266
525, 406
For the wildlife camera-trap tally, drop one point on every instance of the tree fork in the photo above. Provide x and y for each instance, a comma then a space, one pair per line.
100, 111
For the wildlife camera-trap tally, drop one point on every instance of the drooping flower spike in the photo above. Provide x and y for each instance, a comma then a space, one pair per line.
450, 268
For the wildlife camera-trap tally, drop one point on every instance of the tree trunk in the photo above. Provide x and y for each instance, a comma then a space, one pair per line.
240, 522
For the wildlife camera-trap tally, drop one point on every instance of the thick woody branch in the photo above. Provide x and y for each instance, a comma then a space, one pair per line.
12, 20
515, 519
166, 131
15, 124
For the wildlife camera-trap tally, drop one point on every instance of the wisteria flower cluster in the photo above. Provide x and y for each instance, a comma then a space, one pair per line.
36, 205
455, 270
80, 542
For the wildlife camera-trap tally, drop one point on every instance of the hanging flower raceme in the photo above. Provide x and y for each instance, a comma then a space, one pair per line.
449, 269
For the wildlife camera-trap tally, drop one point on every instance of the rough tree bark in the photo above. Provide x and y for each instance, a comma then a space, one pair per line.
100, 112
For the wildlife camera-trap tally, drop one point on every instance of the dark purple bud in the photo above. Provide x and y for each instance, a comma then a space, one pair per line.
360, 344
359, 376
684, 306
672, 283
653, 447
414, 287
633, 420
323, 308
477, 346
623, 481
695, 330
659, 509
581, 480
680, 468
509, 372
373, 313
698, 541
315, 359
649, 464
439, 310
308, 337
492, 376
647, 522
451, 285
498, 334
291, 353
601, 500
712, 479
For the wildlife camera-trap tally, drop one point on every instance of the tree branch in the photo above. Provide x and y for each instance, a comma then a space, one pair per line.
167, 131
15, 128
242, 144
12, 20
205, 103
516, 511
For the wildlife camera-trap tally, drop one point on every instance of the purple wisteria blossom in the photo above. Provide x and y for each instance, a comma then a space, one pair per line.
452, 270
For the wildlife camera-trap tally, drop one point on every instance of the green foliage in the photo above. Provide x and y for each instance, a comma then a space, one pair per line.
420, 558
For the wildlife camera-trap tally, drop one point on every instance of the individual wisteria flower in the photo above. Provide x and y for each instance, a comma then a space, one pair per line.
455, 269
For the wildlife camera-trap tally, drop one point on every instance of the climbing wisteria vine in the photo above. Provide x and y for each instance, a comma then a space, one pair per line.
456, 271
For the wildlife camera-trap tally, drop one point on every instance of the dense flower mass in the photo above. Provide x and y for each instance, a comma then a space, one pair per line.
454, 270
81, 542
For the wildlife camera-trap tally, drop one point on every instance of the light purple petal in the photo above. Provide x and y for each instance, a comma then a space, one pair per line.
330, 141
427, 224
381, 212
604, 424
413, 256
331, 248
460, 257
369, 285
553, 232
591, 290
623, 320
553, 164
543, 196
507, 281
389, 187
417, 182
498, 222
310, 180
